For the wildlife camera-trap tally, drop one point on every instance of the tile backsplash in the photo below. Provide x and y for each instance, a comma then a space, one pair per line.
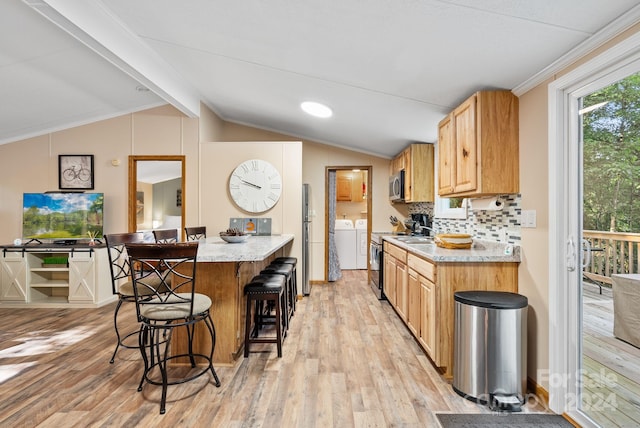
498, 226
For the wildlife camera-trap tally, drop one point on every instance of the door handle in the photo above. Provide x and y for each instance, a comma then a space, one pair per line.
571, 255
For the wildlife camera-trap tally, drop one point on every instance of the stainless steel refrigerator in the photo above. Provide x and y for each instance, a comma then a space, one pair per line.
306, 225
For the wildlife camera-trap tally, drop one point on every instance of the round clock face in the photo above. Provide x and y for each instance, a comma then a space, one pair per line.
255, 185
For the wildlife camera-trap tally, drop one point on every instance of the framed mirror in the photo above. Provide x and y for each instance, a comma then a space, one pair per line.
157, 193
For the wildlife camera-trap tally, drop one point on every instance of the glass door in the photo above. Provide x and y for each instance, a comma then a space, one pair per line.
608, 378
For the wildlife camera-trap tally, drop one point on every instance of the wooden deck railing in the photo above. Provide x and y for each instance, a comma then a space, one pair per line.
612, 253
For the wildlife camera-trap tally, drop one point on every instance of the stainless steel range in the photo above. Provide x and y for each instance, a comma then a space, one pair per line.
377, 262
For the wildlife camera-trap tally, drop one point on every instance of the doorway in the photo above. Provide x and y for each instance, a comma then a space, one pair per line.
583, 382
348, 199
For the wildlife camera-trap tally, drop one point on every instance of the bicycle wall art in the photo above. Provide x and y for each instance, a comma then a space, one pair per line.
75, 172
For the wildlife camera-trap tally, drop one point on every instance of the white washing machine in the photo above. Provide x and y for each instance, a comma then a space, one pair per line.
346, 243
361, 243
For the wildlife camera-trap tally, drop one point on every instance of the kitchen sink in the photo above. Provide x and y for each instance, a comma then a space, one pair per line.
413, 239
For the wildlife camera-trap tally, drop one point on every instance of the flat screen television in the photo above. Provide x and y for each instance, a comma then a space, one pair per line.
62, 216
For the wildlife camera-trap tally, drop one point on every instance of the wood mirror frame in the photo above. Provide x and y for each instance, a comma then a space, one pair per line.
133, 174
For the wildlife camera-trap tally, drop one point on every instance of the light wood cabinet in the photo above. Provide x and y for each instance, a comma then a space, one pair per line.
401, 289
417, 161
421, 292
395, 278
478, 146
344, 187
423, 275
389, 284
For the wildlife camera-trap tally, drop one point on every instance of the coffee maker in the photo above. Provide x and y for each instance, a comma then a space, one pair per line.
422, 224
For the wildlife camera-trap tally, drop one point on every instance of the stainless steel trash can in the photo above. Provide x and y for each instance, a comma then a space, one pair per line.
490, 348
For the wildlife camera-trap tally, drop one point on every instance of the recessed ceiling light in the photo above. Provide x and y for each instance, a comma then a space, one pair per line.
316, 109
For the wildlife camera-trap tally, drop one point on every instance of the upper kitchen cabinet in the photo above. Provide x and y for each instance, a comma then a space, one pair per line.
478, 147
417, 163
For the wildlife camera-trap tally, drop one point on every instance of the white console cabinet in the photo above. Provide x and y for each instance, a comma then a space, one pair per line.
80, 277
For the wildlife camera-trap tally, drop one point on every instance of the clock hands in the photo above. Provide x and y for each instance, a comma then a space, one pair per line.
250, 184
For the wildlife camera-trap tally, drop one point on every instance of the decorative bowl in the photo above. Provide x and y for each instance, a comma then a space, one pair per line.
234, 239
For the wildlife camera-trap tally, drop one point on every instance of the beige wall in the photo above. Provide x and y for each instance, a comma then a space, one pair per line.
31, 166
534, 269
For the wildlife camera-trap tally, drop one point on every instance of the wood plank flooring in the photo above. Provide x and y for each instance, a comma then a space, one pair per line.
348, 361
612, 367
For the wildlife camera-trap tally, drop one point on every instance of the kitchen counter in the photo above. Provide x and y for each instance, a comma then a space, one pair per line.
255, 248
222, 270
481, 251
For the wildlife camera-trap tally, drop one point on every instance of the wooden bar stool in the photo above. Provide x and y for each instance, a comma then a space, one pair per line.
261, 289
294, 262
286, 271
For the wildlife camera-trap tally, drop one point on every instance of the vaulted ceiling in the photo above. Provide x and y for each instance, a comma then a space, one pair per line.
389, 69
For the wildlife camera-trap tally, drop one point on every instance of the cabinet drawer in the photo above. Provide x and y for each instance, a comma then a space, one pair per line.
422, 266
396, 252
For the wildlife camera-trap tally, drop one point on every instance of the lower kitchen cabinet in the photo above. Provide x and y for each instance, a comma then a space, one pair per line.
421, 292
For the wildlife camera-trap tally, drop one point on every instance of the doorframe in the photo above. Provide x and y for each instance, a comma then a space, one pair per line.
564, 180
328, 169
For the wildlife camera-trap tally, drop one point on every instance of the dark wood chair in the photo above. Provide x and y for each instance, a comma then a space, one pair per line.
166, 236
174, 266
195, 233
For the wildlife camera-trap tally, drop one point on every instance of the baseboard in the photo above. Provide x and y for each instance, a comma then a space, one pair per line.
538, 391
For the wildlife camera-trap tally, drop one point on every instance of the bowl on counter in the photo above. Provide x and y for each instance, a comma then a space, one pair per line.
234, 239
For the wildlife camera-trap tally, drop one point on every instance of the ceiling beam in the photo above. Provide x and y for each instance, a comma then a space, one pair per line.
96, 27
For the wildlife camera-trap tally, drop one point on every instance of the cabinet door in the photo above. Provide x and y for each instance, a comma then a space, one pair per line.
408, 174
428, 318
13, 281
414, 314
465, 140
389, 284
446, 152
82, 277
401, 289
343, 189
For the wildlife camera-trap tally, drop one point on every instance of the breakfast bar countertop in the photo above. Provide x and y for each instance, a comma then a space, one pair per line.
481, 251
255, 248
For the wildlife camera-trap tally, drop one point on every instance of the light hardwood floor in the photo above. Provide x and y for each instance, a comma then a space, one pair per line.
611, 366
348, 361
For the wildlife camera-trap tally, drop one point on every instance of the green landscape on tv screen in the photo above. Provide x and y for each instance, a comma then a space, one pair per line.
62, 215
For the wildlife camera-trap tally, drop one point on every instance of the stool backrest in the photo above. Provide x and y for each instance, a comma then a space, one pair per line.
118, 258
164, 274
166, 236
195, 233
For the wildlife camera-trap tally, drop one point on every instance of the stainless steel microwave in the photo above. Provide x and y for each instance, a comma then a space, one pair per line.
396, 187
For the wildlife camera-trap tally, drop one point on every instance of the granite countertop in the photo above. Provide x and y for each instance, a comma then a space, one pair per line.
255, 248
481, 251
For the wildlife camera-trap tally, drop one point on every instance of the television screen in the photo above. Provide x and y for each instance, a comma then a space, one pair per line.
62, 215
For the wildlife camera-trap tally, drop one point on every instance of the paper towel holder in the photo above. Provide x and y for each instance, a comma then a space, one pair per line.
493, 203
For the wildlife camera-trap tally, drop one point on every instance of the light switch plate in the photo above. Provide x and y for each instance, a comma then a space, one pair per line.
528, 218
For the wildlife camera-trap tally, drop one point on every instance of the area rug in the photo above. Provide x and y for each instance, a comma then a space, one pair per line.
519, 420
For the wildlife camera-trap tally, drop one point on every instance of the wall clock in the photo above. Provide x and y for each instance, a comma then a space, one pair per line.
255, 185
